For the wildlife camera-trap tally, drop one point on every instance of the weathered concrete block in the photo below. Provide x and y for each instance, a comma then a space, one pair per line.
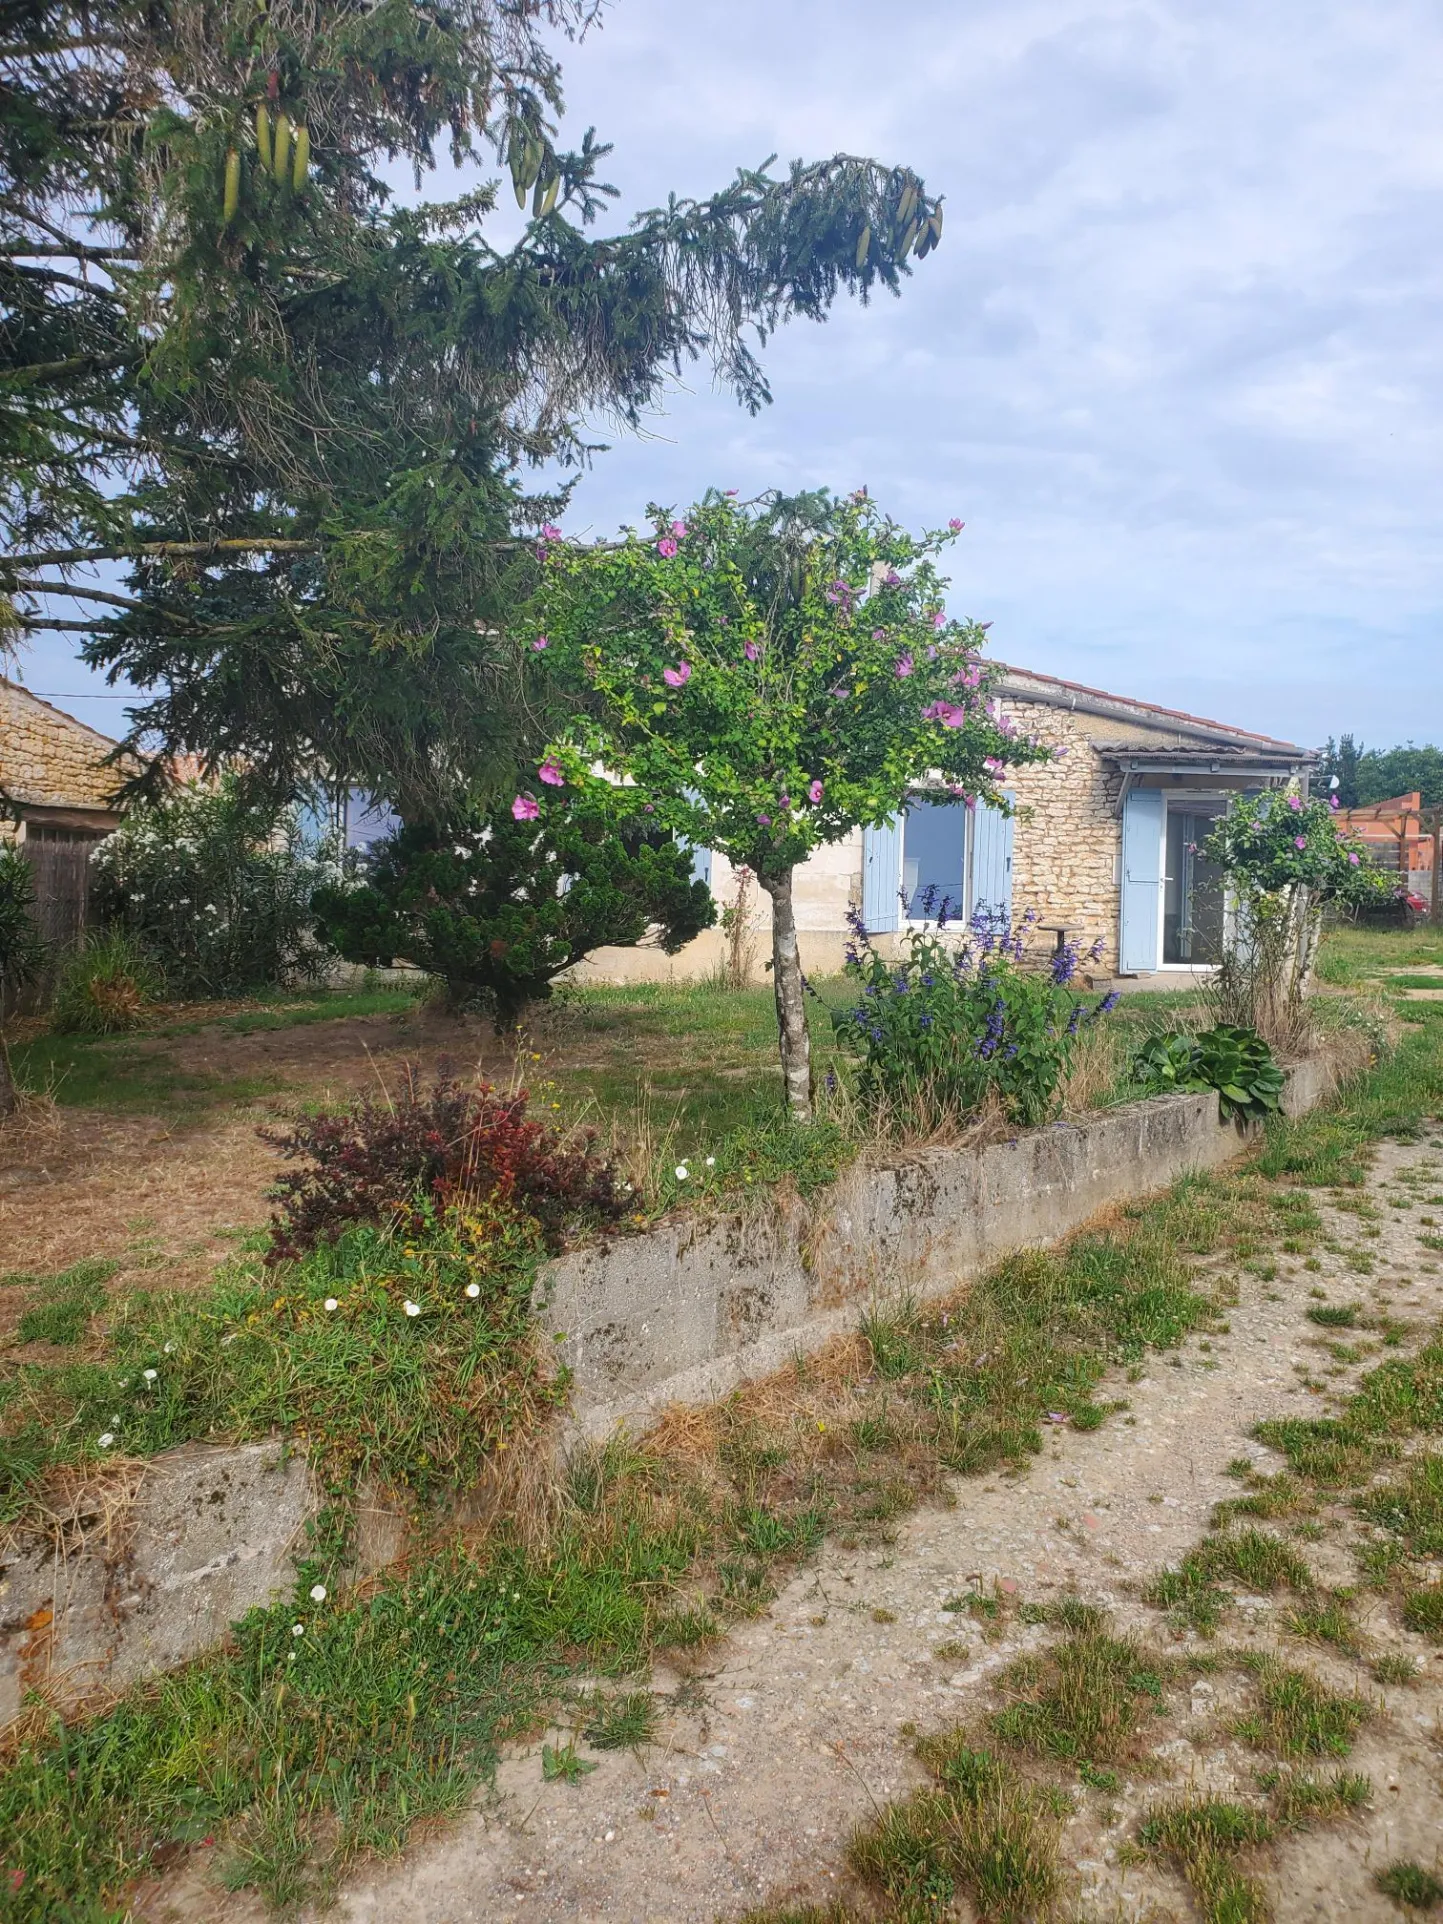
210, 1533
699, 1303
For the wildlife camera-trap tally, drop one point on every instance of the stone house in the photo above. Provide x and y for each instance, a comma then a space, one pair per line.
1104, 841
56, 789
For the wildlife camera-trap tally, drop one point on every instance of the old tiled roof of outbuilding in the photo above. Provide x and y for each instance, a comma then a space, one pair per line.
1185, 732
48, 759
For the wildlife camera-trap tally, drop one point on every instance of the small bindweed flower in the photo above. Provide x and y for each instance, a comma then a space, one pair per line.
683, 1174
150, 1375
473, 1290
106, 1439
411, 1309
298, 1629
169, 1349
332, 1303
318, 1593
711, 1162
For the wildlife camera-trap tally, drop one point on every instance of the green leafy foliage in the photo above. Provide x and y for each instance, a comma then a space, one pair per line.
216, 887
499, 906
107, 987
297, 409
1273, 841
397, 1162
22, 952
1235, 1061
945, 1025
769, 676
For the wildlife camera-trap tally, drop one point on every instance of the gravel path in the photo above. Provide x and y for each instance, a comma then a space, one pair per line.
790, 1733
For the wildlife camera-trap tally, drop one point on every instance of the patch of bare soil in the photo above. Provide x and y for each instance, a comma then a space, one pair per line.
801, 1725
166, 1196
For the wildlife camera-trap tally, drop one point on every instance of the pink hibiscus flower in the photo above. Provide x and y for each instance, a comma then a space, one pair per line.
814, 792
1354, 860
541, 644
939, 618
905, 664
666, 547
1294, 803
955, 525
525, 808
551, 774
751, 651
677, 677
678, 528
946, 712
1300, 841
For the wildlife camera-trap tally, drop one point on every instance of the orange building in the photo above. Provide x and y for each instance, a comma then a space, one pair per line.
1399, 835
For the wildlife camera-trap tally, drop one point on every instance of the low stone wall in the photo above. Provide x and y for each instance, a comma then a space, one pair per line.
142, 1577
698, 1304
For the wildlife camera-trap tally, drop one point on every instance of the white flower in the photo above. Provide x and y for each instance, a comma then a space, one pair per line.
169, 1349
107, 1440
125, 1382
150, 1375
473, 1289
290, 1656
683, 1174
411, 1309
318, 1593
298, 1629
711, 1162
332, 1303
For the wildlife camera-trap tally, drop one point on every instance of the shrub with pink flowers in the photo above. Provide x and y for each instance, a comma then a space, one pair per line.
772, 676
1284, 861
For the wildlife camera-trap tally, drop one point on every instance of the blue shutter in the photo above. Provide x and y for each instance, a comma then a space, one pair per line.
1141, 878
882, 877
992, 859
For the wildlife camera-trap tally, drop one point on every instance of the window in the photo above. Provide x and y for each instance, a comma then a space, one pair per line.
934, 857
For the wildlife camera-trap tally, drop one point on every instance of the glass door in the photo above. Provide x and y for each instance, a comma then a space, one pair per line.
1192, 901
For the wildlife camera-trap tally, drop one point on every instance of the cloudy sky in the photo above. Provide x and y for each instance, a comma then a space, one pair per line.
1178, 363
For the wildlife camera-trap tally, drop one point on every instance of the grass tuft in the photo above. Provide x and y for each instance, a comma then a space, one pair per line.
1411, 1886
1297, 1715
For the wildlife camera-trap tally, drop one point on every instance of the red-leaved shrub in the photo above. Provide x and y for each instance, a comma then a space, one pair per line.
383, 1162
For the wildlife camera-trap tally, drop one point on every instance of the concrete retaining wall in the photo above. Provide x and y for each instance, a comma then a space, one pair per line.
156, 1573
698, 1304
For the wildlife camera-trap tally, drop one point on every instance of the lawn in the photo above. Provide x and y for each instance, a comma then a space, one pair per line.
1377, 958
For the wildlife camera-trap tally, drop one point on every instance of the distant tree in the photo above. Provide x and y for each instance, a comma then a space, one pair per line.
1340, 758
771, 677
1383, 773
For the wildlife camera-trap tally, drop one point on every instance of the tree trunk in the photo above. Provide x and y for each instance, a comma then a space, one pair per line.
9, 1101
796, 1043
1309, 917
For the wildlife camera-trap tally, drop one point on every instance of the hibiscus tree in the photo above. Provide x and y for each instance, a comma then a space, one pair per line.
771, 676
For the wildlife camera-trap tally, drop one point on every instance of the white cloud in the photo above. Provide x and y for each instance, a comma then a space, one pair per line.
1177, 362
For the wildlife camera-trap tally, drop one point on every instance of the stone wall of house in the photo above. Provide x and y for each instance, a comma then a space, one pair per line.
48, 758
1067, 836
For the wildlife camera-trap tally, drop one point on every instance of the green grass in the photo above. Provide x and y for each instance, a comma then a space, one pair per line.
1252, 1560
1350, 957
1411, 1886
60, 1307
981, 1831
417, 1402
1086, 1699
1297, 1715
621, 1723
142, 1071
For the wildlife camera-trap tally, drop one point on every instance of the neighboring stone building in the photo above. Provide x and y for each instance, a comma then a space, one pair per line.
55, 799
1105, 841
